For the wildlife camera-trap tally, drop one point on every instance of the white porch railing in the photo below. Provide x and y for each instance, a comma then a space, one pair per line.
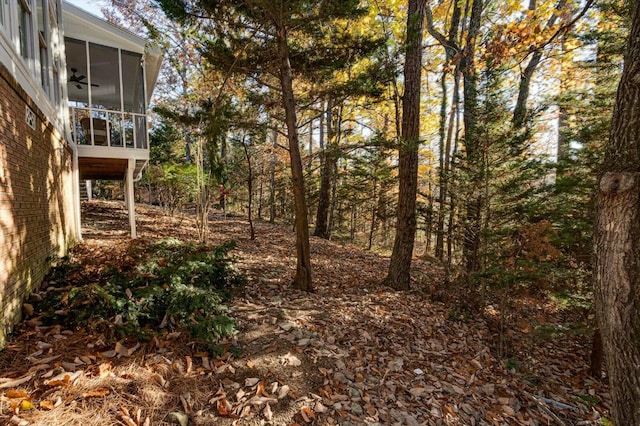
101, 127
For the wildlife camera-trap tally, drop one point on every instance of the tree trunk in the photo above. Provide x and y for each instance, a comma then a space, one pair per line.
445, 175
520, 110
399, 276
450, 49
566, 80
328, 166
252, 232
597, 356
302, 280
260, 190
310, 163
428, 219
471, 244
374, 209
334, 199
327, 179
442, 178
272, 179
617, 241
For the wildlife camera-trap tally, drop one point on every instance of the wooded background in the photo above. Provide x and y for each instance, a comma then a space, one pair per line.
468, 132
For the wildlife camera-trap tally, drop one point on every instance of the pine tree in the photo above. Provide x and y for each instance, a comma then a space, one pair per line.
272, 44
399, 276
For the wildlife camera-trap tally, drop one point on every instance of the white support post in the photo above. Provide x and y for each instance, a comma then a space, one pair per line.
87, 184
129, 198
76, 191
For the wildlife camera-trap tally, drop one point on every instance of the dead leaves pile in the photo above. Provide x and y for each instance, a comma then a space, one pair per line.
352, 353
390, 358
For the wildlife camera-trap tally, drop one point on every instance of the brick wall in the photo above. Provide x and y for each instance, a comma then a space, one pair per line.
36, 200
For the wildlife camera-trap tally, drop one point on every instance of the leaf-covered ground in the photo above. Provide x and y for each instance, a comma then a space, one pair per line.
351, 353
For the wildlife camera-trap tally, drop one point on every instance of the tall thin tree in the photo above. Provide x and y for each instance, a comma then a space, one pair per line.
617, 241
399, 275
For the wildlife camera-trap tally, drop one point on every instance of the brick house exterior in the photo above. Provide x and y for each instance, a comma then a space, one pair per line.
37, 216
42, 153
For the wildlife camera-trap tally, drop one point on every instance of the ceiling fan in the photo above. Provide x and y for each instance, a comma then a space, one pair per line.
79, 79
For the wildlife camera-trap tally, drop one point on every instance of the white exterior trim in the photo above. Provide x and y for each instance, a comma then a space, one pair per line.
82, 25
112, 152
14, 62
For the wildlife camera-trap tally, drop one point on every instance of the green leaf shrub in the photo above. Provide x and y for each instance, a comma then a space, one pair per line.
174, 285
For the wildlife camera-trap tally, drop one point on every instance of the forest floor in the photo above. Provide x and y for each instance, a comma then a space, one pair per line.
351, 353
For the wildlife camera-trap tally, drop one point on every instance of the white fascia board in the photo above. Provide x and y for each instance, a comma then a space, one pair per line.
111, 152
81, 25
152, 64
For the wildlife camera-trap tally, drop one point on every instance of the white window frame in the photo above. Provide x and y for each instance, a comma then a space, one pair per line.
26, 51
5, 16
44, 46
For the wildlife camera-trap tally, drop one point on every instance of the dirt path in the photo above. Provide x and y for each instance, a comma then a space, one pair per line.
353, 352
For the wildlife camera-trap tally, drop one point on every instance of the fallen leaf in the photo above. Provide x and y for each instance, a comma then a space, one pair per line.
508, 410
260, 390
105, 369
12, 383
45, 360
128, 421
17, 421
159, 379
189, 363
28, 309
251, 381
26, 405
246, 410
283, 391
224, 409
121, 349
260, 400
46, 405
34, 322
54, 383
69, 366
417, 392
96, 393
268, 414
205, 363
320, 408
16, 393
476, 364
133, 349
289, 359
307, 414
250, 364
63, 379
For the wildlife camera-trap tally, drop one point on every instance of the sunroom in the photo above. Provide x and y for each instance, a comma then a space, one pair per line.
111, 74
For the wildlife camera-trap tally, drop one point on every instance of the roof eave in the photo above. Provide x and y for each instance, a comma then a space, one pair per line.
98, 25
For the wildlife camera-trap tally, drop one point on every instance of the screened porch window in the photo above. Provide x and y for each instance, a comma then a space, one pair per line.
106, 95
